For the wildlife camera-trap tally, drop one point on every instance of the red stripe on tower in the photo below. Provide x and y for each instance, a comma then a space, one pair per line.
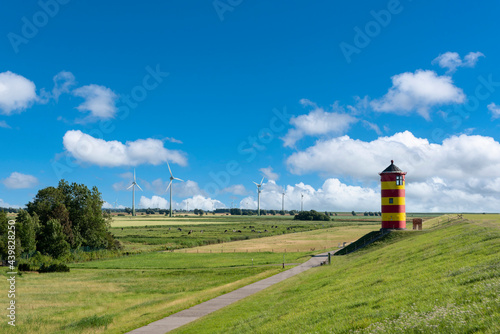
393, 192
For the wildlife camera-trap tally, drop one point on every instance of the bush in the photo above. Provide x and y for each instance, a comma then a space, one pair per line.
24, 267
54, 268
311, 215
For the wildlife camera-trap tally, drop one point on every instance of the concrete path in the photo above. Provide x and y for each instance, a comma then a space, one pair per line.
183, 317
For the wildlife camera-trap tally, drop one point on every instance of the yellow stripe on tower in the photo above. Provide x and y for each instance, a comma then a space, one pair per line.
394, 216
395, 201
391, 185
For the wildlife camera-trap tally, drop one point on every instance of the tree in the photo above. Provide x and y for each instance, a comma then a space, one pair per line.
353, 213
282, 212
77, 210
201, 212
263, 212
311, 215
235, 211
128, 211
27, 229
52, 239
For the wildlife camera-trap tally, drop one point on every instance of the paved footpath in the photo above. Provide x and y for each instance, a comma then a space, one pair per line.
183, 317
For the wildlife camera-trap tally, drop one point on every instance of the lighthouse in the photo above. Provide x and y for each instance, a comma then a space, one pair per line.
392, 181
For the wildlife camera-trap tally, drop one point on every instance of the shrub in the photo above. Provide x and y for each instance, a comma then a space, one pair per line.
24, 267
54, 268
311, 215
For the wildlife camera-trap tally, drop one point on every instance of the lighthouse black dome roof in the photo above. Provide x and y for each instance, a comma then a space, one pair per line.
392, 168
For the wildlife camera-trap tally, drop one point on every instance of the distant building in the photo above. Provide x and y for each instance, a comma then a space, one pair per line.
392, 181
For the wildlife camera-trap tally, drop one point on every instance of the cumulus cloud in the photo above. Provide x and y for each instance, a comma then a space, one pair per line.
63, 81
464, 164
179, 189
236, 189
332, 196
88, 149
494, 110
452, 60
269, 174
16, 93
201, 202
4, 204
99, 100
153, 202
419, 91
20, 181
318, 122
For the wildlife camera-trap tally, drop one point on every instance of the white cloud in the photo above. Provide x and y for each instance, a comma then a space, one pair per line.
7, 205
494, 110
332, 196
201, 202
173, 140
153, 202
269, 174
237, 189
16, 93
452, 60
99, 100
458, 157
20, 181
419, 91
179, 189
3, 124
62, 83
88, 149
318, 122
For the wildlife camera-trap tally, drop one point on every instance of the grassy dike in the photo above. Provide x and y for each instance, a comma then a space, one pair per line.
443, 280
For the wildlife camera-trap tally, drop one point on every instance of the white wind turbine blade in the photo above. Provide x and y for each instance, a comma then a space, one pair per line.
139, 187
175, 178
262, 181
130, 186
169, 169
168, 186
134, 175
256, 183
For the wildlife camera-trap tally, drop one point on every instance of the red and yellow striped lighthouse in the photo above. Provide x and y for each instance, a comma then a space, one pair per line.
392, 181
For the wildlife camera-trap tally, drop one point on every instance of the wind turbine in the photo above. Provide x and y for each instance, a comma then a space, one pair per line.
134, 183
301, 202
258, 195
172, 178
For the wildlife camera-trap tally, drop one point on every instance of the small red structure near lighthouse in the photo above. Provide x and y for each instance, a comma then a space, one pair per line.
392, 181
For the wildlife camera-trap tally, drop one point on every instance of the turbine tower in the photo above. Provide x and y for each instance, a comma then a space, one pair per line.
301, 202
258, 195
133, 185
283, 202
172, 178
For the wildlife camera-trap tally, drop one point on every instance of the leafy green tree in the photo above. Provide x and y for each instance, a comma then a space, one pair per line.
353, 213
78, 210
52, 240
27, 229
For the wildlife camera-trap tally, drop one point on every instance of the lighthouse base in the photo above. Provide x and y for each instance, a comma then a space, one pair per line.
394, 225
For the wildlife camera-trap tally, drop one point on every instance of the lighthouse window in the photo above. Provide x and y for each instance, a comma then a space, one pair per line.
391, 200
399, 180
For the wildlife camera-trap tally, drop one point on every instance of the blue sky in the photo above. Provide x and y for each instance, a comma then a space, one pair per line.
317, 97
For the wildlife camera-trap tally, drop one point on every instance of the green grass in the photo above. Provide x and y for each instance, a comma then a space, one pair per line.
111, 300
168, 260
445, 280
